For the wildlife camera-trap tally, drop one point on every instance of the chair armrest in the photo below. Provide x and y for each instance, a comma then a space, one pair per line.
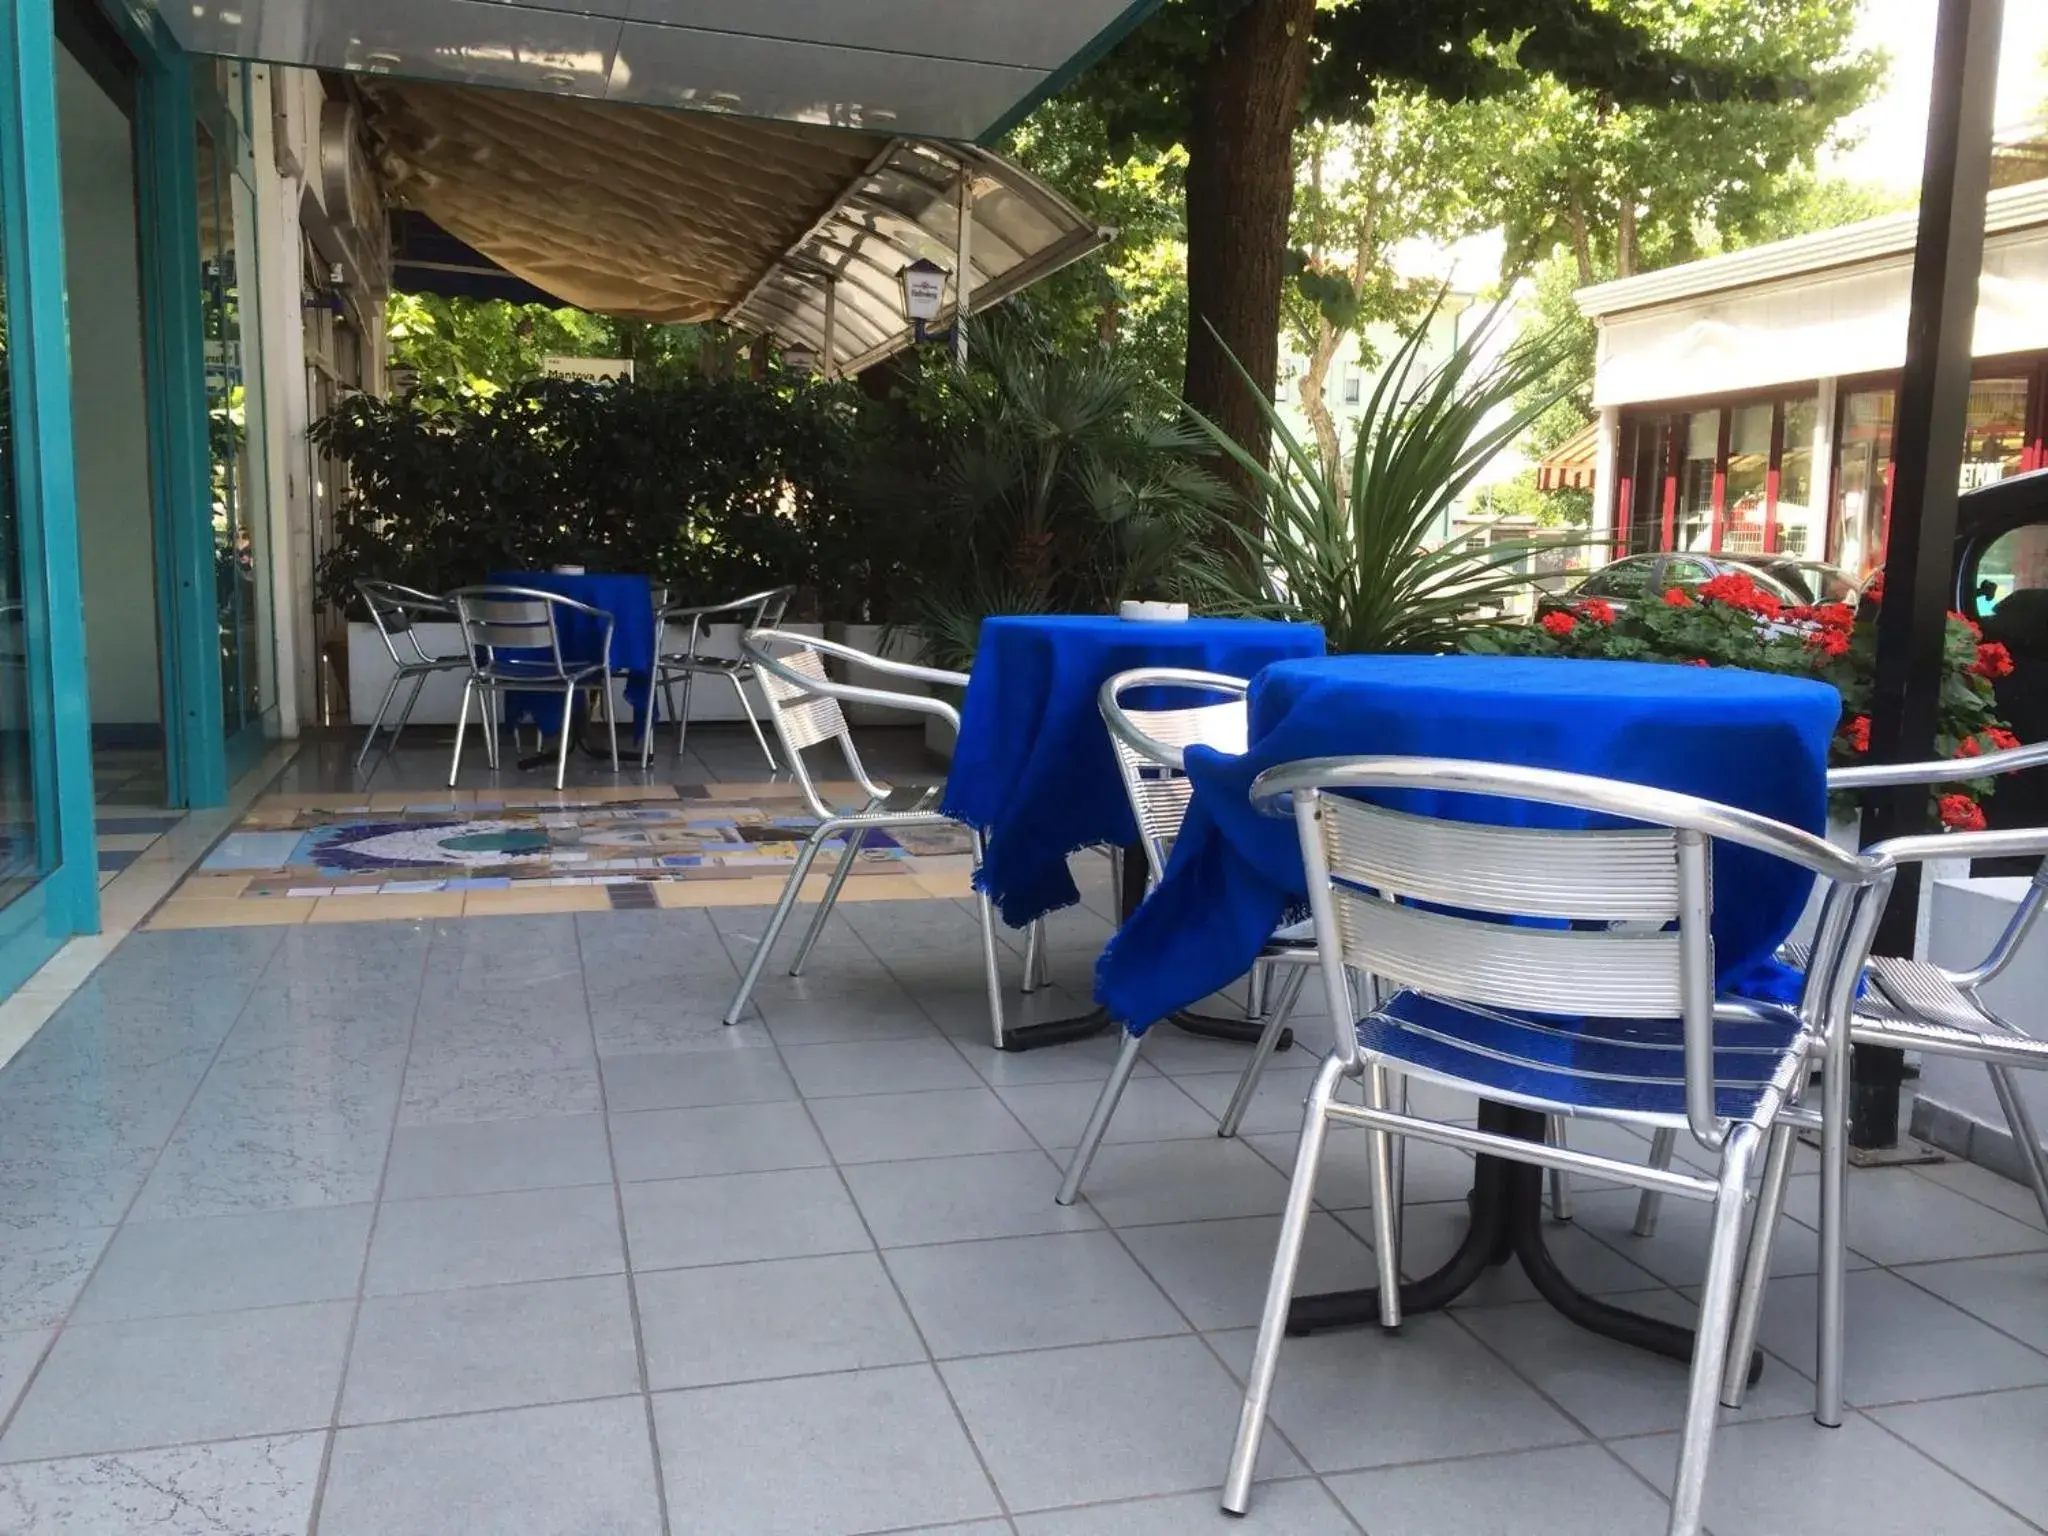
868, 659
2007, 843
850, 693
1948, 771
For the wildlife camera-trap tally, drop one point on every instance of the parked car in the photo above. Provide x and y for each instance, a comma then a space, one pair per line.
1636, 577
2001, 581
1814, 580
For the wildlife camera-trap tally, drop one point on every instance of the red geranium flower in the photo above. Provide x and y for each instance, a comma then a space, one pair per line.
1993, 660
1976, 630
1740, 592
1857, 729
1558, 623
1968, 747
2001, 739
1838, 616
1961, 813
1829, 642
1875, 591
1678, 597
1699, 661
1595, 610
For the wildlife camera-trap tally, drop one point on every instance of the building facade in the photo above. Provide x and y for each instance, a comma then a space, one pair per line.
1746, 401
164, 221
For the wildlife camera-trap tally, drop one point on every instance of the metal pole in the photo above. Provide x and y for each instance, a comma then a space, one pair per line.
1927, 454
963, 273
830, 361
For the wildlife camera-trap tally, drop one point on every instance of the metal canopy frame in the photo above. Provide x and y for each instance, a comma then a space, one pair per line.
1948, 259
993, 225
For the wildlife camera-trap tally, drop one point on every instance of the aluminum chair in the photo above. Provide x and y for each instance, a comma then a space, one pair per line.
1621, 1020
757, 610
1150, 747
1914, 1006
804, 705
396, 610
515, 645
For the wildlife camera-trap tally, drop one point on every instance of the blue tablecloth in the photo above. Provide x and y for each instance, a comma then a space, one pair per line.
1033, 768
1742, 738
630, 602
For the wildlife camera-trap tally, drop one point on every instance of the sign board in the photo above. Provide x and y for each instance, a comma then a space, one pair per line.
587, 367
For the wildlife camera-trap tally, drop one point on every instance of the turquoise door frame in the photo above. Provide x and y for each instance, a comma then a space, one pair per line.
188, 606
66, 900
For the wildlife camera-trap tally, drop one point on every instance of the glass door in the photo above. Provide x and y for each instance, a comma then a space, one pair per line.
233, 403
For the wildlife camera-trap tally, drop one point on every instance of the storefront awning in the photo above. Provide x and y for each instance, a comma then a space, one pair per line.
1571, 464
676, 216
949, 69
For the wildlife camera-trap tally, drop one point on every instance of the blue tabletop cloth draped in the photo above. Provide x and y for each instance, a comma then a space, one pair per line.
1742, 738
1033, 768
630, 602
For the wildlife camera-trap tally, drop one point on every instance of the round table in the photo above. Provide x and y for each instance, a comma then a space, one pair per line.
1747, 739
1033, 769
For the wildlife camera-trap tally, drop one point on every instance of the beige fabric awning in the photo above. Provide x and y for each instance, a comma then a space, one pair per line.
673, 216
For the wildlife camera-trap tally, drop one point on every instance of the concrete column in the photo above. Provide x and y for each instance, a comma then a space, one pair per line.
1606, 482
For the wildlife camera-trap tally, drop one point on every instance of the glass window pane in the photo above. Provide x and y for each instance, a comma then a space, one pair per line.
1798, 520
1695, 529
1994, 431
1749, 472
1862, 476
21, 850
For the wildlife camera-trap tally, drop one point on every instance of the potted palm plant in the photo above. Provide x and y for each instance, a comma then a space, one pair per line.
1362, 548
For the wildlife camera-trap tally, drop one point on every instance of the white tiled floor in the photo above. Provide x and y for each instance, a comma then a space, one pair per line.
380, 1230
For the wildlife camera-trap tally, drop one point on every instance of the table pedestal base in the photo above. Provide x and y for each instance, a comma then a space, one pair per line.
1507, 1223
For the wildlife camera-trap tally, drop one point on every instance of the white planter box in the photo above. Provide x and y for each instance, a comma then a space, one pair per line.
369, 674
904, 645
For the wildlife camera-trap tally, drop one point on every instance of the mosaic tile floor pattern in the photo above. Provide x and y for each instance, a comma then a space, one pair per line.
350, 856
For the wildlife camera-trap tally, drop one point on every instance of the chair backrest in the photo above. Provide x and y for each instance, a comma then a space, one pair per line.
787, 666
496, 620
394, 609
1607, 922
1148, 744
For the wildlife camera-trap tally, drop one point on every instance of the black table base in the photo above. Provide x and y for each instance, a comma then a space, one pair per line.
1508, 1222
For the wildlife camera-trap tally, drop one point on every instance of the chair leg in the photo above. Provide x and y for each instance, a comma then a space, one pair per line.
668, 706
1662, 1147
1560, 1181
377, 724
988, 950
2020, 1121
611, 719
1710, 1343
1035, 962
488, 709
1756, 1267
805, 855
1832, 1280
1099, 1117
855, 839
747, 710
1251, 1419
461, 725
1386, 1217
683, 715
1262, 1053
405, 714
562, 746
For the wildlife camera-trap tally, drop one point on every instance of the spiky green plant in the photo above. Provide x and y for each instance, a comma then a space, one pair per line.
1360, 553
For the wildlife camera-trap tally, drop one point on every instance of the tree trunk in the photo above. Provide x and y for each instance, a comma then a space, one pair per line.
1315, 406
1240, 185
1625, 238
1582, 242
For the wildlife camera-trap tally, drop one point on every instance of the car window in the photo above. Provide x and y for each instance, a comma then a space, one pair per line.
1623, 579
1685, 573
2016, 560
